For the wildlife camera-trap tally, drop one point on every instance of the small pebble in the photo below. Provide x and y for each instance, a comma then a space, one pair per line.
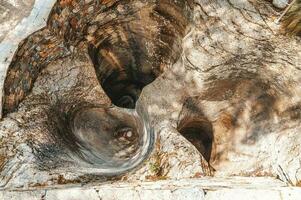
280, 3
129, 134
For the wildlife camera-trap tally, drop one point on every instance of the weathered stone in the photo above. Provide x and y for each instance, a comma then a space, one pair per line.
280, 3
190, 189
220, 94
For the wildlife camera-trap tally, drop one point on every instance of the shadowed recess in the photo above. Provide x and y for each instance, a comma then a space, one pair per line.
133, 53
200, 134
195, 127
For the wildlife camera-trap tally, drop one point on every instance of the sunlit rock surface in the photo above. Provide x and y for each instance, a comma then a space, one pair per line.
223, 102
12, 13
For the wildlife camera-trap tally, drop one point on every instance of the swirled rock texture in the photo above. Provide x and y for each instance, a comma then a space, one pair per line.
215, 82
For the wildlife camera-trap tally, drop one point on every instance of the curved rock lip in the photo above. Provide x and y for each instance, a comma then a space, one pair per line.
36, 20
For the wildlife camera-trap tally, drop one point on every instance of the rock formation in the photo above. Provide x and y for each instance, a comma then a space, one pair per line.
142, 90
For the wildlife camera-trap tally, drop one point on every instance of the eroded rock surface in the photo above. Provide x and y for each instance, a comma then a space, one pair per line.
220, 92
12, 12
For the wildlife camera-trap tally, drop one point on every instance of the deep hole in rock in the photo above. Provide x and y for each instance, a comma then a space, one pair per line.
132, 54
123, 81
200, 134
130, 44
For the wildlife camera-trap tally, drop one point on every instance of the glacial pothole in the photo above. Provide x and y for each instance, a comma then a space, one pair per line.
130, 43
111, 139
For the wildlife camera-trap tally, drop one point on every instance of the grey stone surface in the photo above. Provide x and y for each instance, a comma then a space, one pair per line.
280, 3
190, 189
